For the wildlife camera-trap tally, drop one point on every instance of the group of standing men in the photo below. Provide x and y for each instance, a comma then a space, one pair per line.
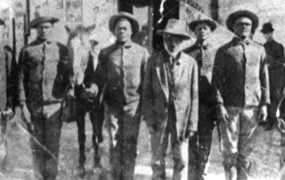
181, 94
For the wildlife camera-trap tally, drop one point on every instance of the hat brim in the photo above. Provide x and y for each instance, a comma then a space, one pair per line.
211, 24
114, 20
266, 30
183, 35
36, 22
242, 13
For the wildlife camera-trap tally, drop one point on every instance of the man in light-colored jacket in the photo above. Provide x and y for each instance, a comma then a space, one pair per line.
170, 101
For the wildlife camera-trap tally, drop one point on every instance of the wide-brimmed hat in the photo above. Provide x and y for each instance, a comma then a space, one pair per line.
134, 22
267, 27
175, 27
200, 20
242, 13
37, 21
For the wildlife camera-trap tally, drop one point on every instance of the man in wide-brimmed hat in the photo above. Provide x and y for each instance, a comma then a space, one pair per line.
42, 19
240, 79
170, 100
44, 69
120, 73
203, 51
276, 59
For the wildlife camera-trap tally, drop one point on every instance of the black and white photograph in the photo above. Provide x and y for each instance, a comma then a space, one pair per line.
142, 90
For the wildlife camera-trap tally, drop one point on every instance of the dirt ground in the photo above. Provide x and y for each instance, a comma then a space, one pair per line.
19, 164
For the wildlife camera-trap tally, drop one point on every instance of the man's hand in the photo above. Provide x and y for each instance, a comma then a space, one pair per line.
151, 129
90, 93
191, 134
262, 114
8, 114
70, 94
222, 114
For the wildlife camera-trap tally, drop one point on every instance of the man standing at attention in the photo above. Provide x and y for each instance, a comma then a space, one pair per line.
276, 61
240, 78
170, 101
119, 75
204, 52
44, 71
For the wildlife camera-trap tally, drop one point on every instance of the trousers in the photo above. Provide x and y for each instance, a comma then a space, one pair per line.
200, 144
123, 131
159, 143
45, 141
239, 136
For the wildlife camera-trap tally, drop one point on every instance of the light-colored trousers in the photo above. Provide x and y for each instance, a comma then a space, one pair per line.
239, 136
159, 143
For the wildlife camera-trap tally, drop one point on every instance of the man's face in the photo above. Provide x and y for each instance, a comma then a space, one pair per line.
44, 30
202, 31
267, 35
172, 43
123, 30
243, 27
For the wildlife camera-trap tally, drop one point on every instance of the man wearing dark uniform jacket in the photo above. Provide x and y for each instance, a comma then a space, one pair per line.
276, 61
44, 73
241, 83
203, 51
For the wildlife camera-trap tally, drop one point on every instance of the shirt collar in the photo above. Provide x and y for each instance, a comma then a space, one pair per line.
43, 41
237, 40
270, 40
169, 58
126, 45
205, 44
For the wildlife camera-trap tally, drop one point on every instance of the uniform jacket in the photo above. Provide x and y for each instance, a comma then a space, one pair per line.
8, 79
240, 74
276, 61
44, 71
121, 71
156, 93
205, 56
275, 51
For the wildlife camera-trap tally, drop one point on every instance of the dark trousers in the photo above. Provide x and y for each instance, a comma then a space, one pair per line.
200, 144
276, 95
123, 130
45, 141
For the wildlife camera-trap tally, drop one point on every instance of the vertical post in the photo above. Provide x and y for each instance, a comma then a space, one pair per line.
215, 10
170, 10
151, 29
125, 5
27, 22
14, 41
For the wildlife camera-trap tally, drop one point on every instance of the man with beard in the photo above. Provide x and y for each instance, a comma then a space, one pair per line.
203, 51
240, 79
170, 101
